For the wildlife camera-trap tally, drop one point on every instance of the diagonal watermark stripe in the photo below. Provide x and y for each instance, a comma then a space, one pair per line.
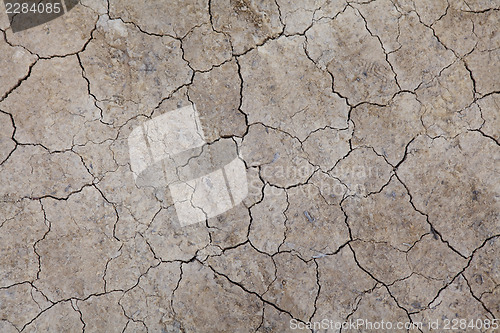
205, 180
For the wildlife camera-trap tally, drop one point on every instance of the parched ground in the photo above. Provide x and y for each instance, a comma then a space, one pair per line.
370, 133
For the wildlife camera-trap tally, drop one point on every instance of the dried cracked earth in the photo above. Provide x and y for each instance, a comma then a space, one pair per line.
370, 135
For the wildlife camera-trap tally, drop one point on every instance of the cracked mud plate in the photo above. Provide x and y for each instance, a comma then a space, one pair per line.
250, 166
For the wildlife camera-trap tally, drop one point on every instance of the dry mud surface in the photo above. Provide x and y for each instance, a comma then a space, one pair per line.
369, 133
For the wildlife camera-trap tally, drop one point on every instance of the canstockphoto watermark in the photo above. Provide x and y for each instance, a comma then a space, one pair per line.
26, 14
205, 180
357, 324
